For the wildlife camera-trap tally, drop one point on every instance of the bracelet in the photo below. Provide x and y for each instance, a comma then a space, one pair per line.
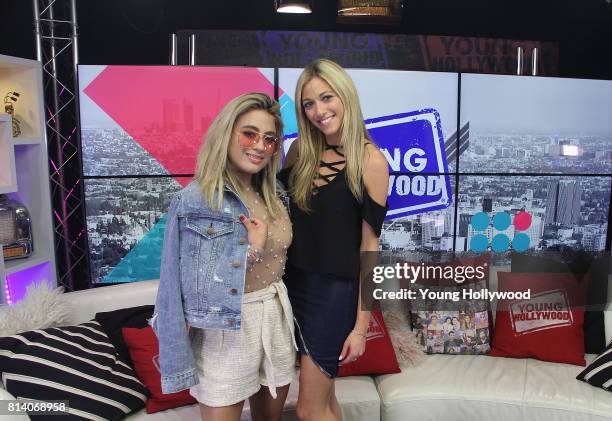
254, 255
357, 333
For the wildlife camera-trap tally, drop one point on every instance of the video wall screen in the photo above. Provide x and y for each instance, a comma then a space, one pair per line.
523, 132
517, 164
141, 130
536, 125
126, 218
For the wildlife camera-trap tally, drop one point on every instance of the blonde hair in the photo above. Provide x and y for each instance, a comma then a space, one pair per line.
311, 141
212, 170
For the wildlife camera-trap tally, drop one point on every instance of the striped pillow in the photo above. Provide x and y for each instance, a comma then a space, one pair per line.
599, 372
74, 363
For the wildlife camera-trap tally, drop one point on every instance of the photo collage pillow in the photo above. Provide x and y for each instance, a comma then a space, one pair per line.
450, 314
444, 326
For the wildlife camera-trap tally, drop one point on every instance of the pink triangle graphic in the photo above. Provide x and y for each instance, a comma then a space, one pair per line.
167, 110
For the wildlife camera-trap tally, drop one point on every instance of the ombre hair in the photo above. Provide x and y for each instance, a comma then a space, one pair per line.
212, 169
311, 141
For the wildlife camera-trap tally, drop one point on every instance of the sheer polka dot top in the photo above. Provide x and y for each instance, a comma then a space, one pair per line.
272, 268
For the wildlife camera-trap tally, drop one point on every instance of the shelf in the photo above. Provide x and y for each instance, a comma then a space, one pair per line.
4, 189
22, 140
24, 175
13, 266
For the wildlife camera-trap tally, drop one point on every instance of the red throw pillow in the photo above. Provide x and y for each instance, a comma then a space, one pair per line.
144, 351
379, 356
548, 325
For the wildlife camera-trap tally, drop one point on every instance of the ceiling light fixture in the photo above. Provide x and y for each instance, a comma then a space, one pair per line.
292, 6
388, 12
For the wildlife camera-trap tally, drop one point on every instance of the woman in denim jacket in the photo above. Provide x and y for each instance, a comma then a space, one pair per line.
222, 314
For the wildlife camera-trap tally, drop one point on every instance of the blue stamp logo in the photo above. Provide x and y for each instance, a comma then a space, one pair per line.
413, 144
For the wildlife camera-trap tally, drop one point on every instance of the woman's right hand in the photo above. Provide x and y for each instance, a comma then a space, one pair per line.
257, 231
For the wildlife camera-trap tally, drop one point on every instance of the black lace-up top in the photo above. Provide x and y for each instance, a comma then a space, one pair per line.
328, 238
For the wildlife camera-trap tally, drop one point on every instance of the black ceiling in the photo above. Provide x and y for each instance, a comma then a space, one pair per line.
136, 31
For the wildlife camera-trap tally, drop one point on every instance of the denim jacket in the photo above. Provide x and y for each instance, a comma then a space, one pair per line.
202, 278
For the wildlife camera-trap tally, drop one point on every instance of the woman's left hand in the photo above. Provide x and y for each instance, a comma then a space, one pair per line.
354, 347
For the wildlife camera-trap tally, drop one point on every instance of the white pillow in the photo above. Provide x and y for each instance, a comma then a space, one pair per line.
41, 308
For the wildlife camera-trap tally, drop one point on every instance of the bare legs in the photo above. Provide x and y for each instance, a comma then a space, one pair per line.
263, 407
317, 398
221, 413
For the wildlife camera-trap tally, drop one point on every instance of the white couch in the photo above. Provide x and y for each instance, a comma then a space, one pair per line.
443, 387
357, 395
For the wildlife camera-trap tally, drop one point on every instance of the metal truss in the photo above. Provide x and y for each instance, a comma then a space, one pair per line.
56, 46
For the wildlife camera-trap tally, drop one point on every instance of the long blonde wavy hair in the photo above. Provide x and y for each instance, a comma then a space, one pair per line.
212, 169
311, 141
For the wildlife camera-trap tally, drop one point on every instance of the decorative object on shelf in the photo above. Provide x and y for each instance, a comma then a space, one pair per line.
370, 11
15, 229
9, 99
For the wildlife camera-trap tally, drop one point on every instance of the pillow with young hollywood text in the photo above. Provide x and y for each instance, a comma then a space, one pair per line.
597, 266
541, 317
379, 356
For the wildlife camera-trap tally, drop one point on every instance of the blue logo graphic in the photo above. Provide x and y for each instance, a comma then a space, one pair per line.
520, 242
480, 221
479, 243
500, 243
413, 144
501, 222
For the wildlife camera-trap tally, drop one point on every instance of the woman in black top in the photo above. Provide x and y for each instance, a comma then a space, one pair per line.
338, 181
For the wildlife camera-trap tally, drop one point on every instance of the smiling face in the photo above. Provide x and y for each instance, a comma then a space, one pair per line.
245, 162
323, 108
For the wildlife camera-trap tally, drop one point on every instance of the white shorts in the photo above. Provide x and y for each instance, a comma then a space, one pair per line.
233, 365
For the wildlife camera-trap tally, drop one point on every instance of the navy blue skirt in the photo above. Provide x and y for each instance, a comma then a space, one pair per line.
325, 310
